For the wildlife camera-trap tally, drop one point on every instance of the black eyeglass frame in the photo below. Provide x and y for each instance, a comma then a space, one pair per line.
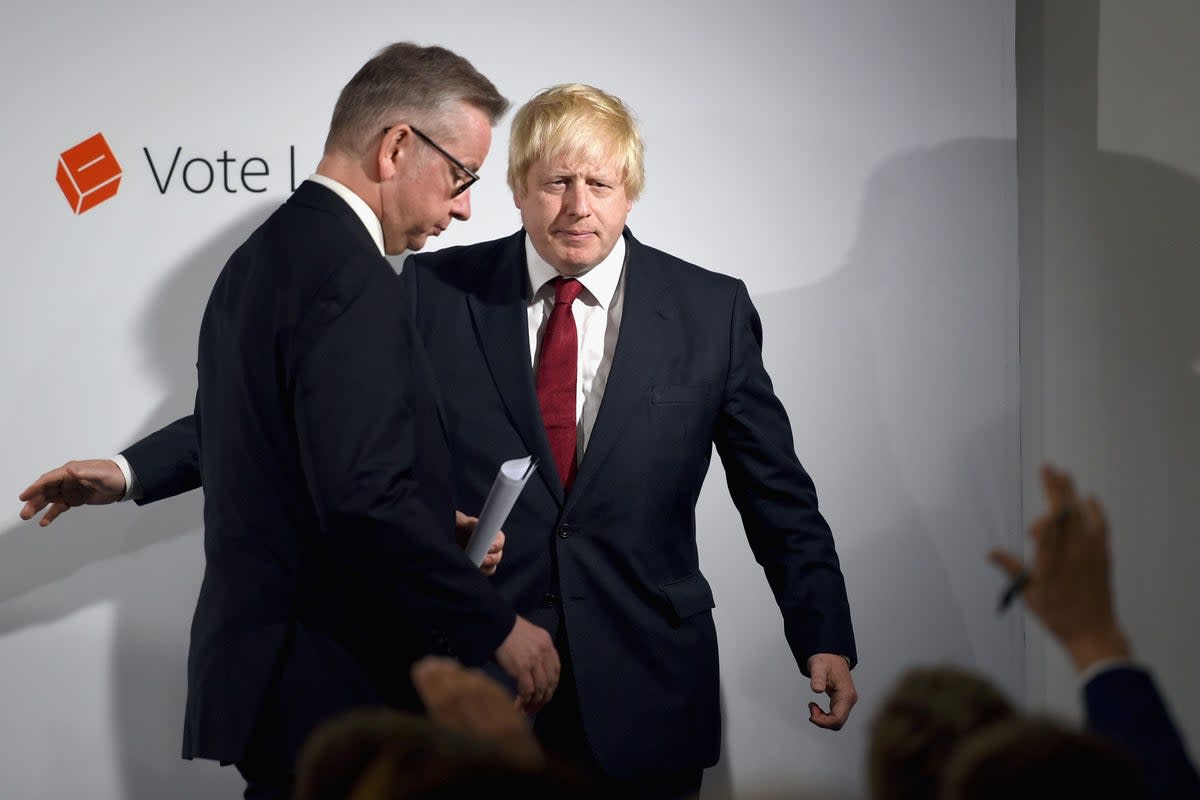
474, 177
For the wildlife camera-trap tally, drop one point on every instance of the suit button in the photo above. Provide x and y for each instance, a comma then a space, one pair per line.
564, 531
550, 600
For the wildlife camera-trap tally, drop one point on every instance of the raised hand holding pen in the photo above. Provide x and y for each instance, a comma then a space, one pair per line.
1068, 586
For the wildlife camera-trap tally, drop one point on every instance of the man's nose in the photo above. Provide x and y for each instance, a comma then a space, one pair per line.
461, 207
577, 201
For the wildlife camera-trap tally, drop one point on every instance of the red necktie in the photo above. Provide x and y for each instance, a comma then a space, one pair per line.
557, 372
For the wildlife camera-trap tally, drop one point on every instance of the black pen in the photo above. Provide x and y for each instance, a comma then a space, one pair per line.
1021, 579
1014, 588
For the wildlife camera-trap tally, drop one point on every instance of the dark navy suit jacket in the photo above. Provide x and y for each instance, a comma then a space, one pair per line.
330, 559
1124, 706
616, 558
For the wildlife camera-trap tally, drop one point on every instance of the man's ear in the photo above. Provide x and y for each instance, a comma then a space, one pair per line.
392, 150
521, 190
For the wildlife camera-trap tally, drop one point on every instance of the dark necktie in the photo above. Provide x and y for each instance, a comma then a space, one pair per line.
557, 372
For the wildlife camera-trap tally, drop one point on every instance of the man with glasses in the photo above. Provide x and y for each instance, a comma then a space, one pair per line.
331, 564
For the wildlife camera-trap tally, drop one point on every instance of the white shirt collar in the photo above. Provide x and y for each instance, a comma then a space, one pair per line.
357, 204
601, 281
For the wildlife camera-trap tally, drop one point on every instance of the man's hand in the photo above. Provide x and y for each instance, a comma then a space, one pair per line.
95, 482
1069, 588
464, 526
528, 655
831, 675
468, 701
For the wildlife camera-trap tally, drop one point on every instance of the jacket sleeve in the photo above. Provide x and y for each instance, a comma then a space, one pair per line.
167, 461
777, 499
1124, 706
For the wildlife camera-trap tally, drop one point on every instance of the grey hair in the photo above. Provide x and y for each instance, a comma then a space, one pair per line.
405, 79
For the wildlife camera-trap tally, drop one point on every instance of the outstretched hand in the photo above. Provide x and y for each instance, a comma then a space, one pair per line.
94, 482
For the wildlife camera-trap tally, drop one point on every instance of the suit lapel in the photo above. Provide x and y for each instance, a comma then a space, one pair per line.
499, 312
644, 329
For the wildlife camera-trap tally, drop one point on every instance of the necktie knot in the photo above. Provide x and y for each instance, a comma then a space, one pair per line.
566, 290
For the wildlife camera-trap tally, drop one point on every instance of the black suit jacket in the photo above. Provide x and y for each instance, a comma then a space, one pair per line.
616, 558
1123, 705
330, 560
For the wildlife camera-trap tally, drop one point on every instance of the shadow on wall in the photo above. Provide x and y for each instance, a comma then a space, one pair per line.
908, 424
927, 415
147, 562
1109, 251
923, 416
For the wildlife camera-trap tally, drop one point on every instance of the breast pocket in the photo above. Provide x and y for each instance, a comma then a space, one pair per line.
678, 412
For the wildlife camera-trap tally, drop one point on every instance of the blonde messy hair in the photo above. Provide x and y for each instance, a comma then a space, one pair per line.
581, 121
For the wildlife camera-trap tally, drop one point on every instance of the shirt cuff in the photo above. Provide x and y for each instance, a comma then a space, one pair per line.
133, 489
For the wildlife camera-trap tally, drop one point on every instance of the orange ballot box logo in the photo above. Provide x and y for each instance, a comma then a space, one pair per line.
88, 173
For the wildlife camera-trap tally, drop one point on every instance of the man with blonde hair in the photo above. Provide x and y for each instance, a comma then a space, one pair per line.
619, 366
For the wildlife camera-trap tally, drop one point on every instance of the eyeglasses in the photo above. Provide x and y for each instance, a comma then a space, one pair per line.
465, 183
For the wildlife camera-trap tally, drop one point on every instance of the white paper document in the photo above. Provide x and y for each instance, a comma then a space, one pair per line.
510, 480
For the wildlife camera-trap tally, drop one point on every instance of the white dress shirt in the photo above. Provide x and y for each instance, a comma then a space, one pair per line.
597, 313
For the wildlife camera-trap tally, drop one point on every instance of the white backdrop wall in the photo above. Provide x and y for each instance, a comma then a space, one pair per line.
854, 163
1110, 333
